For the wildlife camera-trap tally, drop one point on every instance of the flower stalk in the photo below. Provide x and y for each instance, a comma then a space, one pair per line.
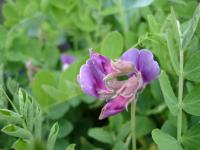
180, 96
133, 124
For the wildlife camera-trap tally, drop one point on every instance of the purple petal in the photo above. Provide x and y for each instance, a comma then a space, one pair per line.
86, 80
114, 107
148, 66
97, 75
102, 62
131, 55
67, 59
92, 74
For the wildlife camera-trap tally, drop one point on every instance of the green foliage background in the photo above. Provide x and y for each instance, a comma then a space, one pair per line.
50, 108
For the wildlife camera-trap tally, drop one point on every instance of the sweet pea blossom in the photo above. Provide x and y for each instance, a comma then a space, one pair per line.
100, 77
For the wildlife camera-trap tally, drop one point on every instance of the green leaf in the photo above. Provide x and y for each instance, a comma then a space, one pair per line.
172, 53
8, 116
21, 144
153, 24
165, 141
55, 93
65, 128
1, 76
71, 147
52, 136
43, 78
191, 138
93, 3
192, 67
124, 131
191, 102
112, 45
10, 13
16, 131
84, 23
21, 100
61, 4
3, 98
110, 11
117, 119
189, 32
101, 135
169, 96
144, 125
169, 128
176, 28
120, 146
12, 86
58, 110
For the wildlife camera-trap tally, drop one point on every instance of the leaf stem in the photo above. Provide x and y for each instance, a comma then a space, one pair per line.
133, 133
180, 97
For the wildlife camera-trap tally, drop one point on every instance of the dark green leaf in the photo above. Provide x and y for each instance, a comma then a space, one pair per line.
65, 128
144, 126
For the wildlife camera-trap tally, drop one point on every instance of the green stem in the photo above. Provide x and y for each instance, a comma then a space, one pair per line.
133, 133
180, 97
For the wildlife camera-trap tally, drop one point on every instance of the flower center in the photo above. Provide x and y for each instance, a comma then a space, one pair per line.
125, 80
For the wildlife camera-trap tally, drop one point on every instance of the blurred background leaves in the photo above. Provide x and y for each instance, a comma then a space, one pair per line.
34, 34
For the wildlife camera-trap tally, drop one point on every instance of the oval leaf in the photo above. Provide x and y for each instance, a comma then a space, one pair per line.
165, 141
192, 68
112, 45
101, 135
191, 102
191, 138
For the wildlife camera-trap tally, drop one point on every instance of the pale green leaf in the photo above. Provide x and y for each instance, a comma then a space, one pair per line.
21, 144
52, 137
172, 53
192, 67
168, 93
191, 138
191, 102
189, 32
71, 147
112, 45
16, 131
8, 116
165, 141
120, 146
101, 135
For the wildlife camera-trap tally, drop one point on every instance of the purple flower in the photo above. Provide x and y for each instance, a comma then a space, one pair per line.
100, 77
66, 60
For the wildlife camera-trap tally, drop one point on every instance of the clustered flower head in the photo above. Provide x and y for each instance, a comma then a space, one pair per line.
117, 82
